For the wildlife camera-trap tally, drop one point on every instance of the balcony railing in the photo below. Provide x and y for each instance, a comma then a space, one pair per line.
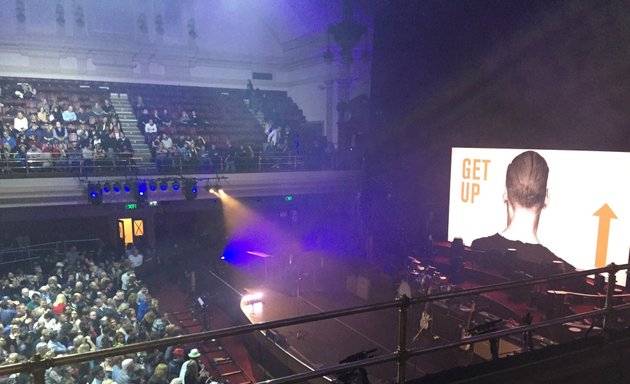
28, 255
130, 165
33, 167
403, 353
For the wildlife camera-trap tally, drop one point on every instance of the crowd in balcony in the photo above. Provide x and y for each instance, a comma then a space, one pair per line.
82, 301
170, 147
67, 125
59, 134
219, 129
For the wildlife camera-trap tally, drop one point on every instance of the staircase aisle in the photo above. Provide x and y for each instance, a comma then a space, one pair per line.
225, 359
129, 124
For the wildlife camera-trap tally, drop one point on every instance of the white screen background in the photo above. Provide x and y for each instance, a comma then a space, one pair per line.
580, 183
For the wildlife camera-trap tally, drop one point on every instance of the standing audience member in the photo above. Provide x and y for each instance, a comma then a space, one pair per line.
174, 365
191, 369
135, 258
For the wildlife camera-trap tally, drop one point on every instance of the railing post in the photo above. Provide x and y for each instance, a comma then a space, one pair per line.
39, 370
610, 292
403, 302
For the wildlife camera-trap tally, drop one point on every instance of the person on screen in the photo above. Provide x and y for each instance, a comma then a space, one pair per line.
518, 246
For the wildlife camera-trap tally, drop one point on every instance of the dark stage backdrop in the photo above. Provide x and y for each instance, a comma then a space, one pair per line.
486, 74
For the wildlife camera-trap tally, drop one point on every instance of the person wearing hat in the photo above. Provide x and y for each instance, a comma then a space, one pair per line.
175, 364
189, 373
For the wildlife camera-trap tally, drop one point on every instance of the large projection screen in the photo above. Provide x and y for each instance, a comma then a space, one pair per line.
586, 221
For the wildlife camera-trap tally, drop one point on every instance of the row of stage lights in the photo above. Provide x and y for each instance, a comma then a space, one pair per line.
126, 186
141, 188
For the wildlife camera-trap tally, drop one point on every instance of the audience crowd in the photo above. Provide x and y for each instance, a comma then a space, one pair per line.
63, 136
277, 146
170, 148
72, 303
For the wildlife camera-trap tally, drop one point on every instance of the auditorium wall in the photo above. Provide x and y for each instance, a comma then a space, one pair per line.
215, 44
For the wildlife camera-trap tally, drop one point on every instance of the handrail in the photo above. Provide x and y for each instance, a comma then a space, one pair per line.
42, 245
16, 254
27, 247
38, 167
522, 283
261, 162
401, 355
422, 351
19, 261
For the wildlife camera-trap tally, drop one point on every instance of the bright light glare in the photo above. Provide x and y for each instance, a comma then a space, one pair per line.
252, 298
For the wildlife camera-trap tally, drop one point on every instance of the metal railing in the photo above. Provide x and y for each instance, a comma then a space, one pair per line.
37, 366
122, 165
11, 257
37, 167
258, 163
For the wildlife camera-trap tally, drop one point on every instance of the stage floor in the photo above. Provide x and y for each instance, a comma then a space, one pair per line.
318, 283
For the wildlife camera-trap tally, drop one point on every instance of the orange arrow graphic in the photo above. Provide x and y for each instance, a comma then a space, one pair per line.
605, 215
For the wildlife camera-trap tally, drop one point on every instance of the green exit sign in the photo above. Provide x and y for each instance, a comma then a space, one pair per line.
130, 206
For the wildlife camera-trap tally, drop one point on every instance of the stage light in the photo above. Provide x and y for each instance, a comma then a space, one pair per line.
152, 185
217, 190
142, 189
94, 194
253, 301
116, 187
126, 187
163, 185
141, 192
107, 187
190, 189
175, 185
252, 298
288, 198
